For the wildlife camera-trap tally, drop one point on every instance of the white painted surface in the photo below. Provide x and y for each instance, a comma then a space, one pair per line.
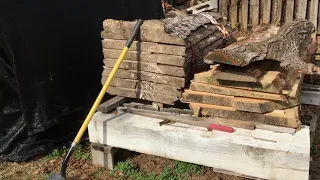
256, 153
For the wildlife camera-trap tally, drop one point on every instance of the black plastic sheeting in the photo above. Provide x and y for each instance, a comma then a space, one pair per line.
50, 67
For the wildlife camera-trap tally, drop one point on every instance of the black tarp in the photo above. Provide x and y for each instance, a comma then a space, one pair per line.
50, 67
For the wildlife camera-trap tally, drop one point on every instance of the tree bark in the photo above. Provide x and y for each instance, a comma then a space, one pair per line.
292, 46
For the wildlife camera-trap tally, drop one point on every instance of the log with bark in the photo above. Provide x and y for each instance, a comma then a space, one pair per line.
292, 46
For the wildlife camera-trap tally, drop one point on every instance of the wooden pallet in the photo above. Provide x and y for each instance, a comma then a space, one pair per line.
255, 153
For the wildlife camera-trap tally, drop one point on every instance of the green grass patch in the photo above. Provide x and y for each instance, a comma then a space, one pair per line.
79, 153
180, 171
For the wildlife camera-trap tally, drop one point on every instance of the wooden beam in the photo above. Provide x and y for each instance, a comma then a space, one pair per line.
256, 153
284, 118
147, 67
254, 12
237, 103
266, 11
235, 92
111, 104
234, 13
173, 60
276, 12
146, 76
145, 47
244, 14
143, 94
144, 85
289, 11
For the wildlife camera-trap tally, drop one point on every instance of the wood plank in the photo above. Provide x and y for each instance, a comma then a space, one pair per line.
150, 31
146, 76
111, 104
250, 73
276, 12
244, 14
151, 107
189, 119
239, 104
147, 67
254, 11
235, 92
145, 57
144, 85
142, 94
266, 11
289, 11
223, 9
270, 82
314, 13
284, 118
234, 13
144, 47
301, 9
259, 153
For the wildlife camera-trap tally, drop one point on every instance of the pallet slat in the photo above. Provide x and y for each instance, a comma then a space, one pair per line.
266, 11
276, 12
244, 14
289, 11
254, 9
234, 13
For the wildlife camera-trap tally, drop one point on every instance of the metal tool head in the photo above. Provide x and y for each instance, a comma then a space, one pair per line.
56, 176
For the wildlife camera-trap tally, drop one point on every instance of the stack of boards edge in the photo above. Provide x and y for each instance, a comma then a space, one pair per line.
252, 94
155, 67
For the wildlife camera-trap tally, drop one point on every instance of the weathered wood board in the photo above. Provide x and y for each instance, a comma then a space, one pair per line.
237, 103
144, 47
146, 76
173, 60
256, 153
151, 30
285, 118
111, 104
143, 94
147, 67
235, 92
144, 85
276, 12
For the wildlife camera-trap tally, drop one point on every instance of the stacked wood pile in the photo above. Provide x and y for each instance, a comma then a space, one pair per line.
253, 83
158, 65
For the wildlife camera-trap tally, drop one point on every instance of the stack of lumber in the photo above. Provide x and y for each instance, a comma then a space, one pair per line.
158, 65
263, 96
256, 79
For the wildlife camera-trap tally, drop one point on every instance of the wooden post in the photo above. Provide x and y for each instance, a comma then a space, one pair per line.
266, 11
276, 12
234, 13
289, 11
244, 15
254, 9
301, 6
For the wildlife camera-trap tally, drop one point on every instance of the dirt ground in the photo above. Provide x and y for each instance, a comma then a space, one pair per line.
81, 167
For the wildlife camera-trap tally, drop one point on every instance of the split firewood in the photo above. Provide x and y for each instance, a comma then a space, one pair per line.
292, 46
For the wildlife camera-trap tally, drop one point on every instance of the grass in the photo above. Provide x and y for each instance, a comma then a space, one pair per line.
181, 170
77, 154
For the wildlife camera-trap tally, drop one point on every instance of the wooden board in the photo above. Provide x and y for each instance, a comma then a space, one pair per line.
276, 12
147, 67
314, 13
289, 11
270, 82
151, 30
239, 104
244, 14
143, 94
252, 73
254, 12
301, 9
111, 104
235, 92
146, 76
234, 13
256, 153
144, 47
266, 11
145, 57
284, 118
144, 85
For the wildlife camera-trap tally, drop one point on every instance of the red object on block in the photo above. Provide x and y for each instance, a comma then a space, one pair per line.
220, 128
